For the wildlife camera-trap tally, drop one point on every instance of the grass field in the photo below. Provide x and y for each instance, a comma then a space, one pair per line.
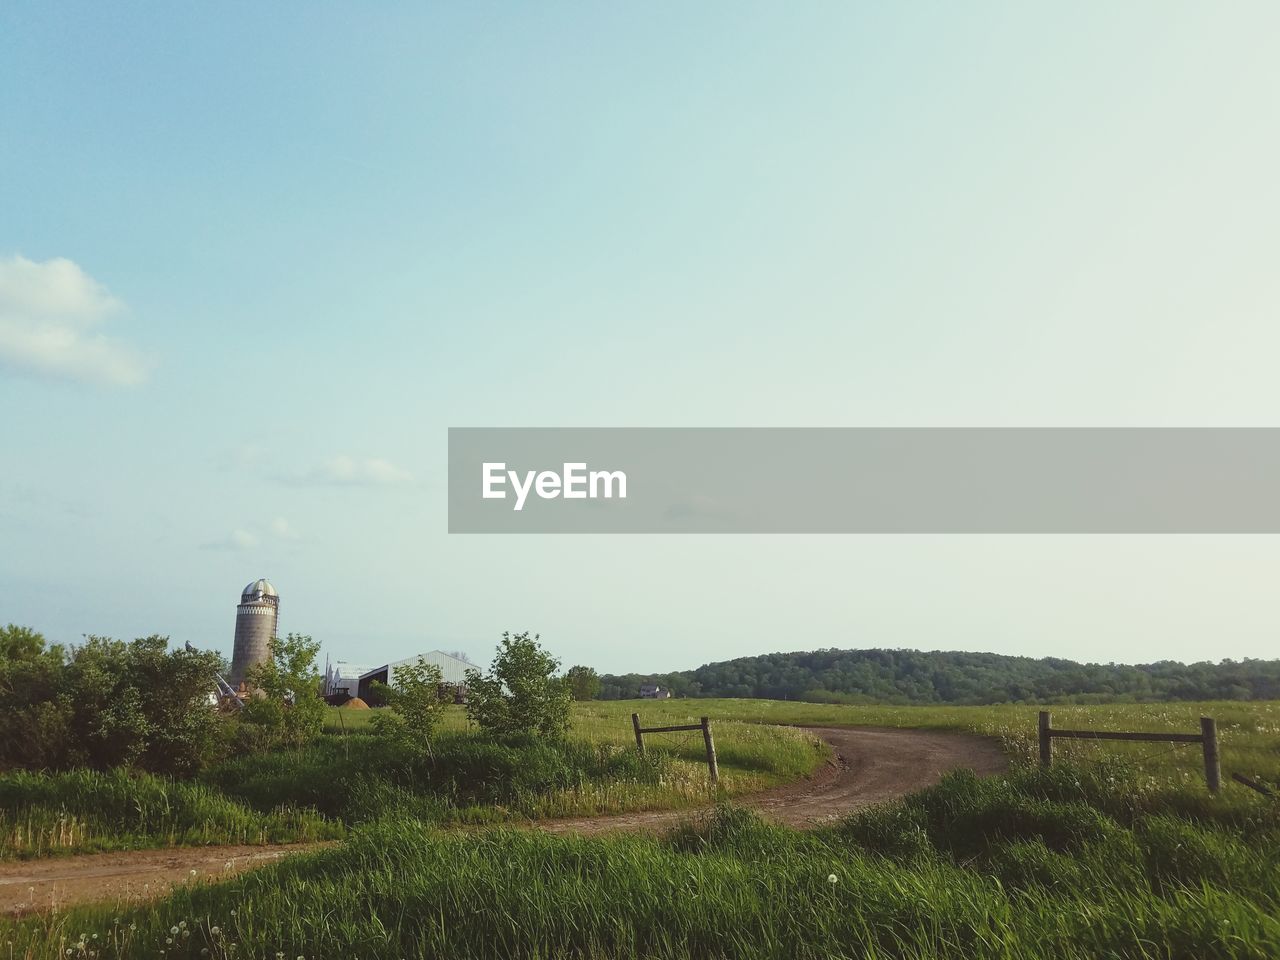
750, 757
1058, 865
1117, 851
1248, 732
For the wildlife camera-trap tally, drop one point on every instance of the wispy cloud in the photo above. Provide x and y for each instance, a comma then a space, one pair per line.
345, 471
236, 540
49, 312
280, 527
249, 538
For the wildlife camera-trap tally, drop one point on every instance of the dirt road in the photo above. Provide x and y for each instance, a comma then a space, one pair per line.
870, 765
32, 886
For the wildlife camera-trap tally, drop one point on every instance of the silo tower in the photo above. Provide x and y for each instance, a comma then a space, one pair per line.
256, 620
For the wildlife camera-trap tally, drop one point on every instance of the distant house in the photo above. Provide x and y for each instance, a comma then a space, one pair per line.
651, 691
452, 673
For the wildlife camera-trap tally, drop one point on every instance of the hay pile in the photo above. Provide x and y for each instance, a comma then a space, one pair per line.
355, 703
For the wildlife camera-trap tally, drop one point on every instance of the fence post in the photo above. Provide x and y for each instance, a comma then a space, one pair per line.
635, 722
711, 751
1212, 768
1046, 742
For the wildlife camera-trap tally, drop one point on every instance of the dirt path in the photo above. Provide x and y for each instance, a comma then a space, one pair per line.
31, 886
870, 765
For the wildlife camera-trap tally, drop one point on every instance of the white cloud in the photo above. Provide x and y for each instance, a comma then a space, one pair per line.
48, 315
282, 529
237, 540
348, 471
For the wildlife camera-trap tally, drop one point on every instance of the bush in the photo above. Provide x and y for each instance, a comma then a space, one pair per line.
107, 704
290, 712
415, 706
521, 695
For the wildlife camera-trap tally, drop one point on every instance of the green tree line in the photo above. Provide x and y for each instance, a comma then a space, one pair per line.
919, 677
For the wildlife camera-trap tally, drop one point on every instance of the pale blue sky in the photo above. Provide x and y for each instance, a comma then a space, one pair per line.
256, 258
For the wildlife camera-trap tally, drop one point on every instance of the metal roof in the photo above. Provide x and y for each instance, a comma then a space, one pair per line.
257, 590
452, 669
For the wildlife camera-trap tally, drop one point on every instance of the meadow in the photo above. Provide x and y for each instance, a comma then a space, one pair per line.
1064, 864
349, 777
1117, 850
1248, 731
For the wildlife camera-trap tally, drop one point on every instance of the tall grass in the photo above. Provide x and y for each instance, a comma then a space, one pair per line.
1060, 865
85, 811
470, 778
598, 770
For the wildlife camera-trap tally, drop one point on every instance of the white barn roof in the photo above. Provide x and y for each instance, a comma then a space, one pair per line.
452, 669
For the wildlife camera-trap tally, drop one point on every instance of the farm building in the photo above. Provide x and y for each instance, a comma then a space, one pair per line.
452, 671
257, 621
343, 678
651, 691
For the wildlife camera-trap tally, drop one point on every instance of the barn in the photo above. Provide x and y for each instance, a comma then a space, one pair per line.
452, 671
342, 679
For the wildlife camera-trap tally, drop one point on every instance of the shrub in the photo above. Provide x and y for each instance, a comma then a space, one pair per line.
290, 713
106, 703
521, 694
416, 707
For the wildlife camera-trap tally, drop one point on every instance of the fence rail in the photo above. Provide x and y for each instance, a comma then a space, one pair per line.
705, 726
1207, 738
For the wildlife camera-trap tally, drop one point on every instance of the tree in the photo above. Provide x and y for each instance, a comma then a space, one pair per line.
521, 694
289, 711
109, 704
584, 683
415, 706
20, 643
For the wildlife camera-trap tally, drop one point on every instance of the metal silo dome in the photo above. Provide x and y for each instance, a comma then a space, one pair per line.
257, 590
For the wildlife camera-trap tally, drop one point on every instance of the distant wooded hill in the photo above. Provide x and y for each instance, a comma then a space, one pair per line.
913, 676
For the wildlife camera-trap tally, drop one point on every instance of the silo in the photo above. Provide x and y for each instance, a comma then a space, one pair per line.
256, 620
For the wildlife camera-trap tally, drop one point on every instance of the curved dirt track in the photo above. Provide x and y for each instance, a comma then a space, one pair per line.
869, 765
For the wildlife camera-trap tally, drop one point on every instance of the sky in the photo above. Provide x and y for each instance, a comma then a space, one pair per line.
256, 259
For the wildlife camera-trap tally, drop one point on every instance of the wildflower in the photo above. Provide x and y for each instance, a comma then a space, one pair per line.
832, 878
173, 930
216, 931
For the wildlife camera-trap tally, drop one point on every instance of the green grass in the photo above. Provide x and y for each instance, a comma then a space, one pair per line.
750, 758
87, 811
1065, 864
1248, 732
469, 778
1117, 851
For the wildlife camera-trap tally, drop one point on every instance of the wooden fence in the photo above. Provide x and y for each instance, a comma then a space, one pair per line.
704, 726
1207, 738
